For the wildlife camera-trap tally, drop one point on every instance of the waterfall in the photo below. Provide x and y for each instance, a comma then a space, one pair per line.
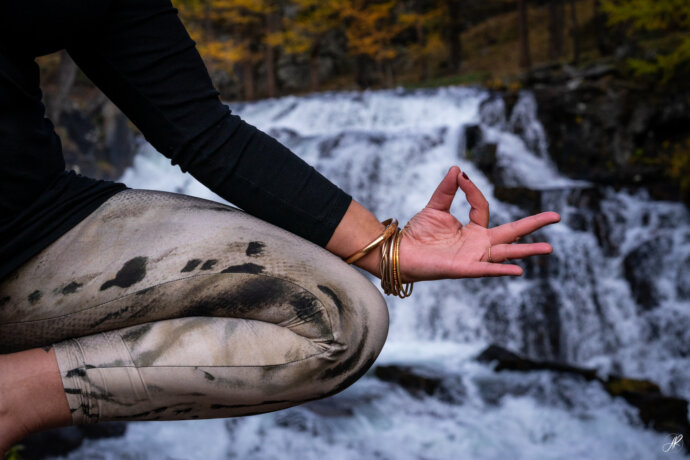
615, 295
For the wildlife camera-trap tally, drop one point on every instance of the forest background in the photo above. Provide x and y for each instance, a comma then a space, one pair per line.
626, 60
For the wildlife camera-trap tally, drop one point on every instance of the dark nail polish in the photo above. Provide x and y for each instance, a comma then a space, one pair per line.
465, 176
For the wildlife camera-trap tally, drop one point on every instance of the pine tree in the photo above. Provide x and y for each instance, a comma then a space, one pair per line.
236, 33
305, 33
525, 56
655, 16
556, 28
371, 28
429, 48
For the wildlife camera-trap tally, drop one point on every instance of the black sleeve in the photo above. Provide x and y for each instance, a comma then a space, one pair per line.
141, 56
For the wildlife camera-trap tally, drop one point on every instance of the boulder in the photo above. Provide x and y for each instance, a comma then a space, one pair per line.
62, 441
420, 381
667, 414
526, 198
641, 268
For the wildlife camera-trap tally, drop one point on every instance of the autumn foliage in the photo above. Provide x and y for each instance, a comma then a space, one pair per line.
240, 35
375, 42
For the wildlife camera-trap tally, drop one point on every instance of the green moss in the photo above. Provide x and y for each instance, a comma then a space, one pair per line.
618, 386
678, 167
473, 78
13, 453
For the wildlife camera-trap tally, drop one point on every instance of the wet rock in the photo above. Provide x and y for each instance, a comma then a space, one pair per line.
481, 153
507, 360
667, 414
473, 136
525, 198
62, 441
641, 268
683, 280
420, 381
599, 127
540, 321
663, 413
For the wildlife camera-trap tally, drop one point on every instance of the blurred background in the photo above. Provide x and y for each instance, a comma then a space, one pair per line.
576, 106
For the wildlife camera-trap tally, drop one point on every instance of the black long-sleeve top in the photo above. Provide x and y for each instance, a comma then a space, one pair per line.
140, 55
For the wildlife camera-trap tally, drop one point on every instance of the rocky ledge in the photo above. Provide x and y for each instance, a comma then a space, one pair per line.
663, 413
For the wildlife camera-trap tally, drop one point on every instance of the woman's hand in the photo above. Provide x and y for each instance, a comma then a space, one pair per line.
435, 245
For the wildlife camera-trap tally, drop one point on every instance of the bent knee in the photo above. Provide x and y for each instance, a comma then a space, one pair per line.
359, 316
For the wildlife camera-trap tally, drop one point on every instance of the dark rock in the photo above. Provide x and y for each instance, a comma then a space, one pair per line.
642, 266
62, 441
602, 129
525, 198
420, 381
507, 360
598, 71
473, 136
540, 321
482, 154
683, 280
663, 413
104, 430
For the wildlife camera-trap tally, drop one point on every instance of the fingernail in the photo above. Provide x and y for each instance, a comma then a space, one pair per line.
465, 176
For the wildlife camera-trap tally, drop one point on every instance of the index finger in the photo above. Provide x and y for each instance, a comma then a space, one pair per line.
510, 232
479, 212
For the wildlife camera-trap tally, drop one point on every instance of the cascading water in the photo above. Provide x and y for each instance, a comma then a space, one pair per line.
615, 295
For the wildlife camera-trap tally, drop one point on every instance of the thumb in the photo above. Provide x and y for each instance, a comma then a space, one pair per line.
445, 192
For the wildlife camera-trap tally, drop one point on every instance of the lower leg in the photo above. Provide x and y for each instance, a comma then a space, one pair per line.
32, 397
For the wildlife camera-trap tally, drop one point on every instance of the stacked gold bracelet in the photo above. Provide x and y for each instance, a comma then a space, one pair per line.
391, 227
391, 280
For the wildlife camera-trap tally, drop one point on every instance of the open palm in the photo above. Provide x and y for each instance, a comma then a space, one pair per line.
436, 245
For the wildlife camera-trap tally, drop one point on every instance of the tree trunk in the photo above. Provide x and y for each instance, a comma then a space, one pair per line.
424, 59
270, 72
248, 80
364, 77
66, 73
575, 32
454, 29
600, 30
314, 68
272, 27
206, 21
525, 58
119, 138
556, 28
390, 75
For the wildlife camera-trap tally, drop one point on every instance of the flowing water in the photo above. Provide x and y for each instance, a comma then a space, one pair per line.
615, 296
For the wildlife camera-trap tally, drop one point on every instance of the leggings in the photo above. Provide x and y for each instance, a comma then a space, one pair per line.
162, 307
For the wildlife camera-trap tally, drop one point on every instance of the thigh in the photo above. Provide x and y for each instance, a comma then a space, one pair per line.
148, 256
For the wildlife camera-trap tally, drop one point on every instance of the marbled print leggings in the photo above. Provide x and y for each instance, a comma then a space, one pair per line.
163, 307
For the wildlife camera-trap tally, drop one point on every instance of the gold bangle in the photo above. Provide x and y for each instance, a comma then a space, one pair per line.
391, 277
386, 267
391, 226
404, 290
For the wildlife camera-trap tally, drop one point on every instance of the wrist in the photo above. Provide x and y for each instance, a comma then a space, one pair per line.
357, 229
372, 261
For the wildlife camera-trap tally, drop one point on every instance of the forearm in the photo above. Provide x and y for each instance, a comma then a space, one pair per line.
357, 228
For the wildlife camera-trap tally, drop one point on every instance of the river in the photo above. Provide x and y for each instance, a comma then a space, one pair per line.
615, 296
